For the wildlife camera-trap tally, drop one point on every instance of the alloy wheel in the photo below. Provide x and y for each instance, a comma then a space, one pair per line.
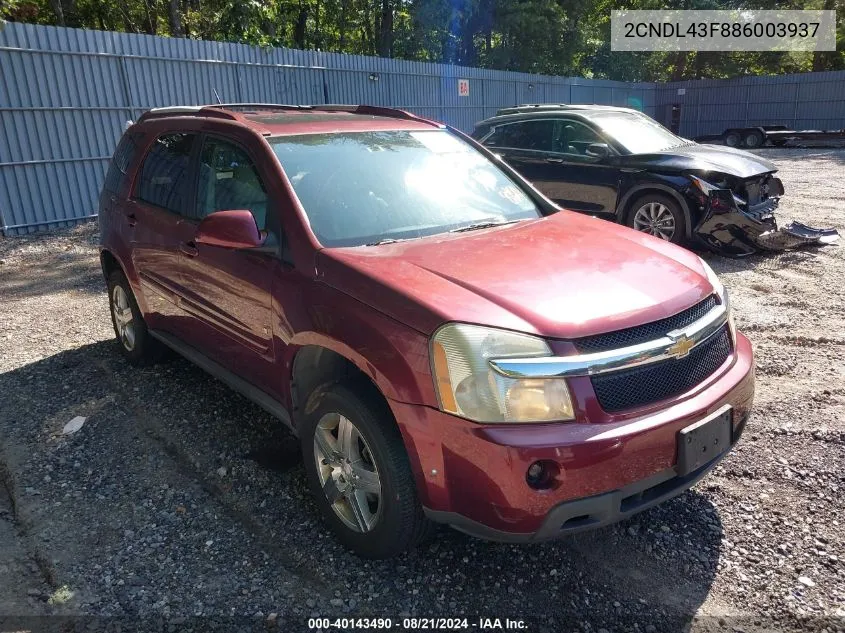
347, 472
655, 219
123, 319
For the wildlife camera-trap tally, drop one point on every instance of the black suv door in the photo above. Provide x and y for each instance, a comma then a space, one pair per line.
552, 154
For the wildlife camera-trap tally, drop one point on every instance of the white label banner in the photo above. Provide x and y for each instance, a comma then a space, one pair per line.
735, 30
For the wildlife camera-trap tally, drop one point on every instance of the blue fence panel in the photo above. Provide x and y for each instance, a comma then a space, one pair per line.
65, 95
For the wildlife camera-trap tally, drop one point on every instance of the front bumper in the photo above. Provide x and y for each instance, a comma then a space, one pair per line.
729, 230
472, 476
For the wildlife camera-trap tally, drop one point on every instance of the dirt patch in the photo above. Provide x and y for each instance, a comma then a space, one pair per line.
179, 499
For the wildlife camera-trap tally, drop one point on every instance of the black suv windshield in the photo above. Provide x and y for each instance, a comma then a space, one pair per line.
368, 187
637, 133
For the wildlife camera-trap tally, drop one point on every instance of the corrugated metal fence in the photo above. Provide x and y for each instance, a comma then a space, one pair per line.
808, 101
65, 95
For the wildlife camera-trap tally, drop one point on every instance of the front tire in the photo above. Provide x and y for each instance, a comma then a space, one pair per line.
658, 215
359, 472
753, 139
133, 338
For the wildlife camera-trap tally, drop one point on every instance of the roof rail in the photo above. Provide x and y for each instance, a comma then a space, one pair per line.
234, 111
529, 107
209, 111
257, 106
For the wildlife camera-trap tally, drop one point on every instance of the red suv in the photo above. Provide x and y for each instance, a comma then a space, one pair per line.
448, 344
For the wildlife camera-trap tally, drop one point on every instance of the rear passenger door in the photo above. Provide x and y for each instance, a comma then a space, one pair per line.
525, 146
159, 224
227, 291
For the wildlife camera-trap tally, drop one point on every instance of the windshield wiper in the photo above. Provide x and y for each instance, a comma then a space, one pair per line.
387, 240
484, 224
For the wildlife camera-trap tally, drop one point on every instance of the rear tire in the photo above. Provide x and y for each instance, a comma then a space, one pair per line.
133, 338
375, 510
658, 215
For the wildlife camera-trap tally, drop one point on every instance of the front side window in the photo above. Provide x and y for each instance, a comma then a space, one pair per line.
531, 135
228, 181
164, 175
574, 137
364, 187
637, 133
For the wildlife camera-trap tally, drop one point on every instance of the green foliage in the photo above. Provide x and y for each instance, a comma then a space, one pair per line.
558, 37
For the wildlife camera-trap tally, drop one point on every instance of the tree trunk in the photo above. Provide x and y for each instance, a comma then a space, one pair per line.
344, 23
150, 17
174, 17
58, 9
680, 66
824, 60
299, 29
318, 36
385, 48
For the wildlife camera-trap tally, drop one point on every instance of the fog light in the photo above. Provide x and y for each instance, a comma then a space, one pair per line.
542, 474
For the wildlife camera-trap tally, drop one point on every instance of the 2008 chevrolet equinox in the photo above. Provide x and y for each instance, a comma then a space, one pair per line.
449, 346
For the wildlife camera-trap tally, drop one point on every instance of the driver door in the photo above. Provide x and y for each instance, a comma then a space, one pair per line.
574, 179
228, 291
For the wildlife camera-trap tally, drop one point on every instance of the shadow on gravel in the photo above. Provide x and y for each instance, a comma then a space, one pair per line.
188, 494
52, 275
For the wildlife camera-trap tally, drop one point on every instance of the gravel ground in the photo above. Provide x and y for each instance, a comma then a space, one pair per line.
181, 506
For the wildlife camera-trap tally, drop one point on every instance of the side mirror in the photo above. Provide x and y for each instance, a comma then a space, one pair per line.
229, 229
598, 150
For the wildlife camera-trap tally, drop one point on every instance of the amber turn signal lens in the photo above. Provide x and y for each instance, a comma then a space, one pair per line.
444, 383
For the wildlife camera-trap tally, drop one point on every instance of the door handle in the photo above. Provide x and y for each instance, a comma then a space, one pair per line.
132, 219
188, 248
556, 161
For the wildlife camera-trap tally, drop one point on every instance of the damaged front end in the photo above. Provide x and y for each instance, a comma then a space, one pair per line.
733, 226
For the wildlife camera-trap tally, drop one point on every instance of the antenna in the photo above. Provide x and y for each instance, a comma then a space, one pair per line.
217, 96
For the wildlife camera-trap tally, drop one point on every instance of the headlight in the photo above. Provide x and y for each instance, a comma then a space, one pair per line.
722, 293
707, 188
468, 386
717, 284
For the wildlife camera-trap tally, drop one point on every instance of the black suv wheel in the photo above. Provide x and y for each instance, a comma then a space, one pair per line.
658, 215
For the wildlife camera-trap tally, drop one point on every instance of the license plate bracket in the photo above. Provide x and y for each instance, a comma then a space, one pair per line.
704, 441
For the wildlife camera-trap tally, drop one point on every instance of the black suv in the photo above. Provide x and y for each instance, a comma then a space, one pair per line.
620, 164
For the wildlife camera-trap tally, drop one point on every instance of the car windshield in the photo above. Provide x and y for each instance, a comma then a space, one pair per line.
369, 187
637, 133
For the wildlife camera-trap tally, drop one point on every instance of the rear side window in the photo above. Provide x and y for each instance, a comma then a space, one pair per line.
533, 135
119, 165
164, 175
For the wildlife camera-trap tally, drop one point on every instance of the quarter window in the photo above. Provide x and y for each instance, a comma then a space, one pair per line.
229, 181
120, 163
164, 175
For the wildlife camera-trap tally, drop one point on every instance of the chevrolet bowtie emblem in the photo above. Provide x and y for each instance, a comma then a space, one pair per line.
681, 347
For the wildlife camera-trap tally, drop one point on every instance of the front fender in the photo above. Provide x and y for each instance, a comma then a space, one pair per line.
394, 356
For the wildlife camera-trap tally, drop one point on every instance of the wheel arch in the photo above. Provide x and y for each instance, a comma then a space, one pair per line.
318, 361
638, 191
109, 263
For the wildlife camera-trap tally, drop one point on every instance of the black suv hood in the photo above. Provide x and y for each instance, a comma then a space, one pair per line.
703, 158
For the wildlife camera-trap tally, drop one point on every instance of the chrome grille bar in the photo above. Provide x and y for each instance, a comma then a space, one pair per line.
675, 344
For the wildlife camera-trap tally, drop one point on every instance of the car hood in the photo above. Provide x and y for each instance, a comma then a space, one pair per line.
705, 158
563, 276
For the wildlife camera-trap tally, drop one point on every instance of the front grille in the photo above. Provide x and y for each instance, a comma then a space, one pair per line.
647, 332
631, 388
